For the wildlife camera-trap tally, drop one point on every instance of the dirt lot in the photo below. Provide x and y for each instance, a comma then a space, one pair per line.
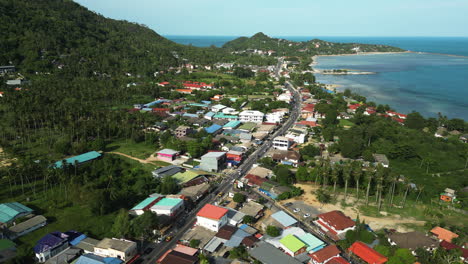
375, 223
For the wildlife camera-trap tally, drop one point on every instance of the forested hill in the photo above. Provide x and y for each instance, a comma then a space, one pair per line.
314, 47
40, 36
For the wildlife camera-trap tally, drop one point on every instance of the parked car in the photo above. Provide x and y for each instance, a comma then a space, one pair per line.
287, 204
296, 210
306, 215
148, 250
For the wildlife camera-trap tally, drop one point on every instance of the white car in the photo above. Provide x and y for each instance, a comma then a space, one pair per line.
296, 210
306, 215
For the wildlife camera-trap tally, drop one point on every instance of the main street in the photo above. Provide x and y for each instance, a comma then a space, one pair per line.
226, 183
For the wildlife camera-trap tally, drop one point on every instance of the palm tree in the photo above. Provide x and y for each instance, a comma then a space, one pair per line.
334, 175
357, 173
347, 175
369, 176
394, 178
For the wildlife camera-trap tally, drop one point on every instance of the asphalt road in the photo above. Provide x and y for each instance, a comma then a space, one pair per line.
226, 184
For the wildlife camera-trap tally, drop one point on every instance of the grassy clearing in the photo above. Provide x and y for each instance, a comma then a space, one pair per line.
138, 150
346, 123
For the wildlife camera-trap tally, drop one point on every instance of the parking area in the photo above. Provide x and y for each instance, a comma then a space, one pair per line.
199, 233
299, 209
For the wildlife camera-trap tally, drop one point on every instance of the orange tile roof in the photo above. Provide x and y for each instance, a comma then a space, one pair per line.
212, 212
367, 254
443, 233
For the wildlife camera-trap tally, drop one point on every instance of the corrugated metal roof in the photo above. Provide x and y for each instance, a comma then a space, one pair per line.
167, 203
144, 203
283, 218
79, 159
9, 211
292, 243
213, 128
312, 241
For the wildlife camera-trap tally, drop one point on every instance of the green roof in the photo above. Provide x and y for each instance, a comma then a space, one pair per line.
168, 202
311, 241
6, 244
88, 156
183, 177
9, 211
292, 243
144, 203
220, 115
232, 124
248, 126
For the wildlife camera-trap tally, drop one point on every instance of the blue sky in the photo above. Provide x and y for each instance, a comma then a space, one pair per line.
292, 17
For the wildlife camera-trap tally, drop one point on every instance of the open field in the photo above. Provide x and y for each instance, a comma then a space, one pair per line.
128, 147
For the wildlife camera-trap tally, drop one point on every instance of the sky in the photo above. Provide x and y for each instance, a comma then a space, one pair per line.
292, 17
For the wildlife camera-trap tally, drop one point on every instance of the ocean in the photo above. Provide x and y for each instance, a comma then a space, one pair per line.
427, 83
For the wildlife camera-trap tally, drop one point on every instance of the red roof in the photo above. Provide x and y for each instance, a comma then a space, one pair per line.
255, 180
337, 260
367, 254
307, 123
184, 90
212, 212
325, 253
164, 83
337, 220
161, 109
354, 106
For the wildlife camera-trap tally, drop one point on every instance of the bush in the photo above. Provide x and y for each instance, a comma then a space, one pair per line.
273, 231
239, 198
248, 219
194, 243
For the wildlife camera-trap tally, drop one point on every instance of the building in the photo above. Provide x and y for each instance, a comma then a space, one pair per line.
232, 125
282, 143
221, 116
229, 111
412, 241
268, 254
381, 159
212, 217
335, 224
290, 157
87, 245
217, 108
443, 234
10, 211
284, 219
251, 116
145, 205
176, 257
313, 243
292, 245
253, 209
261, 172
213, 161
448, 195
167, 155
324, 255
95, 259
167, 171
366, 253
234, 155
27, 226
275, 117
213, 129
209, 115
182, 131
7, 69
195, 192
78, 160
51, 245
168, 206
116, 248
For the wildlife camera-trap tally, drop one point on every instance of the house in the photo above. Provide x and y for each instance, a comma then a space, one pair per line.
184, 91
52, 244
221, 116
7, 250
282, 143
209, 115
381, 159
253, 209
95, 259
292, 245
145, 205
182, 131
249, 241
464, 138
213, 129
313, 243
212, 217
87, 245
167, 155
11, 211
449, 246
167, 171
232, 125
234, 217
284, 219
254, 180
234, 156
338, 260
27, 226
195, 192
7, 69
268, 254
78, 160
213, 161
168, 206
226, 232
217, 108
229, 111
412, 241
248, 127
261, 172
443, 234
366, 253
251, 116
176, 257
116, 248
324, 255
290, 157
335, 224
275, 117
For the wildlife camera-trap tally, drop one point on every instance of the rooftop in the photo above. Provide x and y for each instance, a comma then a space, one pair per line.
213, 128
292, 243
144, 203
168, 152
232, 124
38, 219
312, 241
367, 254
214, 154
443, 233
167, 203
283, 218
9, 211
94, 259
183, 177
325, 253
212, 212
268, 254
79, 159
413, 240
337, 220
116, 244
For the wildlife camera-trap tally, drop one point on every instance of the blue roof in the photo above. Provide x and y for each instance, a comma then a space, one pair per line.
283, 218
328, 91
94, 259
206, 102
190, 115
199, 105
9, 211
50, 241
80, 158
156, 102
236, 238
77, 240
210, 114
213, 128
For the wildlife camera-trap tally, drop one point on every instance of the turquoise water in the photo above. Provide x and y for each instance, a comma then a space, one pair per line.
426, 83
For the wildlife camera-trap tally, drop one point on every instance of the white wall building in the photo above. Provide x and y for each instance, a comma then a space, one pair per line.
168, 206
116, 248
212, 217
285, 97
276, 117
229, 111
251, 116
282, 143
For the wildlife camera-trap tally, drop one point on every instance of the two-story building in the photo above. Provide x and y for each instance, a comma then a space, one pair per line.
251, 116
212, 217
116, 248
213, 161
335, 224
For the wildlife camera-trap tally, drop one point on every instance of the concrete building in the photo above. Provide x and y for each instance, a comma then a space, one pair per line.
335, 224
182, 131
212, 217
168, 206
167, 155
251, 116
213, 161
282, 143
116, 248
27, 226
